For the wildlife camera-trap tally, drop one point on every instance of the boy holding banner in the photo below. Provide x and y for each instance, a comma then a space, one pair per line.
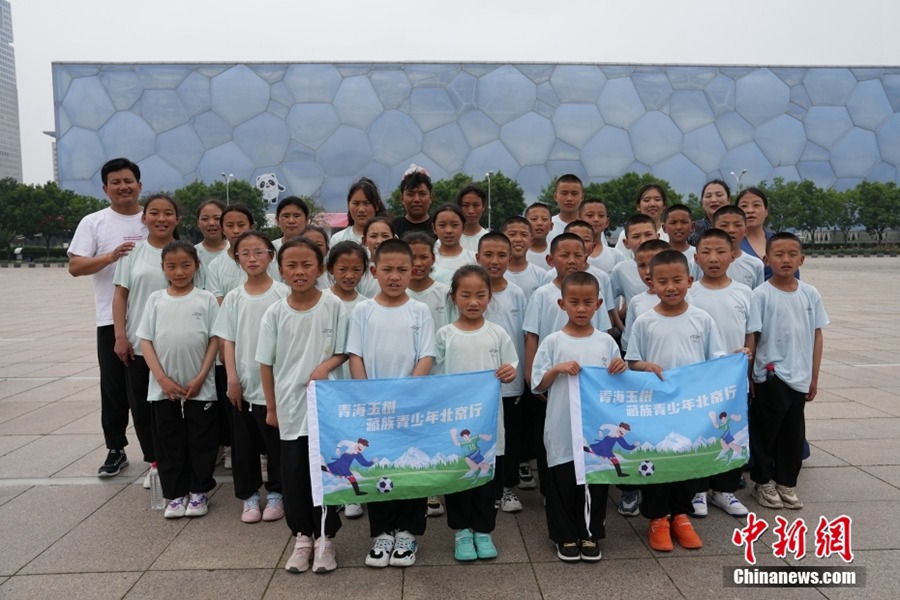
392, 315
564, 352
673, 334
730, 304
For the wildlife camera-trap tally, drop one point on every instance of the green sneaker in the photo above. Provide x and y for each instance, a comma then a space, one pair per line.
484, 546
464, 547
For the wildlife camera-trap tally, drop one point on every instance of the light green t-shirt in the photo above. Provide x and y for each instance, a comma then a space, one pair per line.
140, 272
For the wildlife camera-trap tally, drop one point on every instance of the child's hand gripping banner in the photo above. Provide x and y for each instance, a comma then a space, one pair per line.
391, 439
633, 428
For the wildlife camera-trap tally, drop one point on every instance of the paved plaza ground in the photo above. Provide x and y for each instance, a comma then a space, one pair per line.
64, 533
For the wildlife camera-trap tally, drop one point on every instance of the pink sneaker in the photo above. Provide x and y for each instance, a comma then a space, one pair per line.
274, 508
251, 512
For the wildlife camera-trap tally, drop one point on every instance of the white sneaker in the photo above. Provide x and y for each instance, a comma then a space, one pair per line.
729, 503
299, 559
526, 479
380, 554
323, 557
404, 554
510, 502
176, 508
197, 506
226, 457
353, 511
699, 504
264, 467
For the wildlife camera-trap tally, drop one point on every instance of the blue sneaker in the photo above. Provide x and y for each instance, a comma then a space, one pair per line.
630, 503
484, 546
464, 546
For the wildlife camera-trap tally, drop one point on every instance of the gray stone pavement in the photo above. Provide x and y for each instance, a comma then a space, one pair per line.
65, 533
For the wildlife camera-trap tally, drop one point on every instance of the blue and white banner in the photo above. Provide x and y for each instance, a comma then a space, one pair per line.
389, 439
633, 428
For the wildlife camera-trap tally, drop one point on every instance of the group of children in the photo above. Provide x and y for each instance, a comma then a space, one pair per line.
542, 297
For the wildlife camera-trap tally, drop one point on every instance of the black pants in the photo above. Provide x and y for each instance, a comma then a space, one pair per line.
302, 517
476, 509
566, 506
540, 417
397, 515
186, 445
252, 437
722, 482
777, 432
225, 414
137, 376
661, 499
513, 406
114, 404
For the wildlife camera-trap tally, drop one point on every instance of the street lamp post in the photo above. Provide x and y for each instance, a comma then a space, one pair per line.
738, 178
227, 177
488, 175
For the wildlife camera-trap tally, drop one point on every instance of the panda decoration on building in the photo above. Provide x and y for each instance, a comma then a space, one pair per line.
268, 184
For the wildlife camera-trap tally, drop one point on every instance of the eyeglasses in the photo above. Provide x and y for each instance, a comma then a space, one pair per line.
254, 253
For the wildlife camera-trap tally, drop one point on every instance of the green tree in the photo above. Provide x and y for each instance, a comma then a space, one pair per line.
239, 192
620, 194
8, 212
781, 211
847, 214
507, 199
878, 207
444, 190
50, 212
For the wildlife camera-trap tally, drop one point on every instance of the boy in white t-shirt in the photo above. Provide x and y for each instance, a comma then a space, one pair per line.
392, 315
785, 373
673, 334
603, 256
541, 220
730, 304
523, 273
745, 269
625, 279
568, 193
678, 226
564, 352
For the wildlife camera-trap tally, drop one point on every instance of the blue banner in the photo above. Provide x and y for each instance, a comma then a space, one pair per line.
633, 428
372, 440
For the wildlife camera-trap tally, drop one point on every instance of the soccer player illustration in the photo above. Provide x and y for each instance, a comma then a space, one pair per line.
340, 466
474, 458
604, 446
723, 424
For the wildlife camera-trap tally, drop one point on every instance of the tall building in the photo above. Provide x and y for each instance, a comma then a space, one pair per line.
10, 143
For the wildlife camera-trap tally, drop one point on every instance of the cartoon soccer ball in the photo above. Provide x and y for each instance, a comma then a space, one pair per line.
646, 469
384, 485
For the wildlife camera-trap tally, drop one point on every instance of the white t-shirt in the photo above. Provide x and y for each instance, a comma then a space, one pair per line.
639, 304
446, 266
206, 257
470, 242
670, 342
539, 259
606, 260
458, 351
789, 323
390, 340
225, 274
606, 290
558, 227
238, 322
529, 278
732, 308
543, 315
294, 343
748, 270
180, 328
626, 280
507, 309
100, 233
596, 350
345, 235
368, 285
437, 299
344, 371
141, 273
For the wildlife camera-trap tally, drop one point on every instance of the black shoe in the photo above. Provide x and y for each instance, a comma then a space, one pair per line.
115, 462
590, 551
568, 552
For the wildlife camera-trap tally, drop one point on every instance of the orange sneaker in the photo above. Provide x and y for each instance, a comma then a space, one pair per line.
660, 537
684, 533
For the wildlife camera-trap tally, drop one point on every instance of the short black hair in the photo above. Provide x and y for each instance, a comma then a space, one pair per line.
536, 206
729, 209
714, 232
669, 257
579, 278
564, 237
653, 246
781, 236
117, 164
568, 178
515, 220
755, 191
675, 208
347, 247
296, 201
471, 189
494, 236
637, 220
577, 223
300, 241
392, 247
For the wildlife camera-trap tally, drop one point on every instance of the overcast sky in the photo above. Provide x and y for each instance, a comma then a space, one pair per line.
760, 32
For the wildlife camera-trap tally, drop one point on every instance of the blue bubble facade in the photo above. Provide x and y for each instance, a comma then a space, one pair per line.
318, 127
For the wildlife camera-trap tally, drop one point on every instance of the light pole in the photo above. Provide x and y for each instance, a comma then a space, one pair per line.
488, 175
738, 178
228, 177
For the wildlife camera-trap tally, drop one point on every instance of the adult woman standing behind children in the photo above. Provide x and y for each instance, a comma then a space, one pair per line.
138, 275
651, 201
363, 203
715, 195
755, 205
